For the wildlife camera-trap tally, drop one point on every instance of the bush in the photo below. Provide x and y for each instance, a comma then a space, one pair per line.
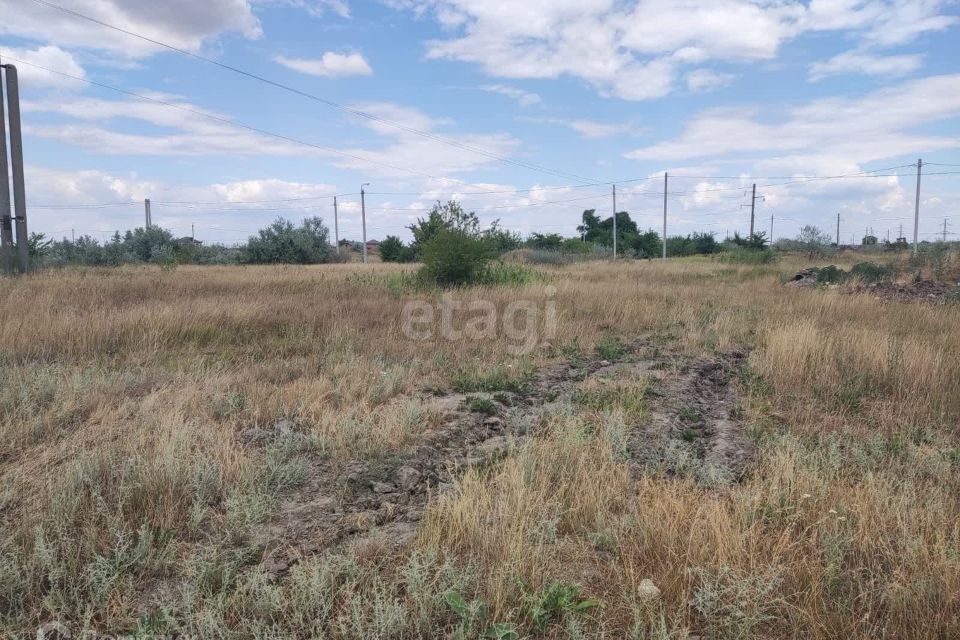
749, 256
456, 257
392, 249
281, 242
871, 272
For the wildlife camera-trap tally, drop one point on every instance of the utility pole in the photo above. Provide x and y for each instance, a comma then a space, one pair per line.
363, 216
664, 215
6, 223
753, 206
771, 228
73, 236
336, 225
838, 230
16, 164
193, 235
916, 210
944, 229
146, 213
614, 222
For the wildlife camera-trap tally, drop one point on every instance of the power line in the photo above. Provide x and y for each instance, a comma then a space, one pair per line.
321, 100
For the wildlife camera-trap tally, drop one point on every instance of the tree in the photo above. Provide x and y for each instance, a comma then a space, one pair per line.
755, 241
549, 242
281, 242
37, 246
814, 237
392, 249
443, 217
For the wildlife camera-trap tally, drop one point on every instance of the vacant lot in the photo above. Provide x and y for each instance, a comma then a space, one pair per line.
691, 448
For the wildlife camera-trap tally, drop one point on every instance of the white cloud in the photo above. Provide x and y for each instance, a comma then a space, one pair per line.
707, 80
53, 58
183, 23
330, 65
635, 49
316, 8
189, 132
874, 126
426, 154
850, 62
523, 98
590, 129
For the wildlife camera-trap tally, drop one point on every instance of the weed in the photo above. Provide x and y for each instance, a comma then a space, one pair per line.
556, 603
479, 404
611, 347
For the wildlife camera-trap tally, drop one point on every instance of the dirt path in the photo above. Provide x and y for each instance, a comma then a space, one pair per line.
692, 426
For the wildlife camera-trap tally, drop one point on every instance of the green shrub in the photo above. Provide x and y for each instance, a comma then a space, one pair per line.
456, 257
749, 256
871, 272
392, 249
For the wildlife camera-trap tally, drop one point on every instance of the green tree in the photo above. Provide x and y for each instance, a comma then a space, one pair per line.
456, 256
443, 217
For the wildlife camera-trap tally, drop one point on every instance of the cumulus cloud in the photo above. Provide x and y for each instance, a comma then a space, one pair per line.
523, 98
874, 126
636, 50
707, 80
857, 62
48, 57
183, 23
329, 65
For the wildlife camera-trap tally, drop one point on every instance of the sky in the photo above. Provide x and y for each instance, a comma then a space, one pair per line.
526, 112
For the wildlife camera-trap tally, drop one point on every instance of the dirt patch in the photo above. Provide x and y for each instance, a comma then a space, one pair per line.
922, 291
380, 501
694, 427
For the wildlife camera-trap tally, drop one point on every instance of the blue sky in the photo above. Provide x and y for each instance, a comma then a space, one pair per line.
517, 109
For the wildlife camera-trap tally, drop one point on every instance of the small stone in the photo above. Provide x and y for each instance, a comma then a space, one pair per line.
407, 477
648, 591
604, 363
383, 487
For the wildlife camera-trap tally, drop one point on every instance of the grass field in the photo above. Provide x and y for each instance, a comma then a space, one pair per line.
195, 451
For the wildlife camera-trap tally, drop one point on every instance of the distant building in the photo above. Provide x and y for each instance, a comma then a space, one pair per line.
187, 241
869, 240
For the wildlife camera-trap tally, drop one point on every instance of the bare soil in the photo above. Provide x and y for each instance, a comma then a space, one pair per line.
694, 423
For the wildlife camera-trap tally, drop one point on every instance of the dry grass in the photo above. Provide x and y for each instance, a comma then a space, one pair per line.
121, 476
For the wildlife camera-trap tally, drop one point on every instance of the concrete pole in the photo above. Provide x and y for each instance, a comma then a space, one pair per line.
753, 206
6, 223
16, 162
916, 210
664, 215
614, 222
336, 225
363, 217
147, 221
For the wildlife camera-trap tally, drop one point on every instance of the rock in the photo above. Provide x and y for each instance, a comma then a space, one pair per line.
493, 421
407, 477
647, 591
383, 487
604, 363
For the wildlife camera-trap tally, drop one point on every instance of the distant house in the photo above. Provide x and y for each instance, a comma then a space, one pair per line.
869, 240
373, 245
187, 241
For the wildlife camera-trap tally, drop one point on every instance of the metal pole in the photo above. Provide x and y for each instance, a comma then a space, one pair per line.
16, 162
6, 224
838, 230
916, 210
336, 225
363, 215
146, 213
664, 215
753, 204
614, 222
